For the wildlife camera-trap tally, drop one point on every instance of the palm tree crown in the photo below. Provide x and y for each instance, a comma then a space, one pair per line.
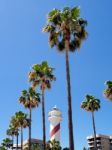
12, 130
90, 103
41, 74
7, 143
30, 99
22, 119
14, 122
66, 25
53, 145
108, 91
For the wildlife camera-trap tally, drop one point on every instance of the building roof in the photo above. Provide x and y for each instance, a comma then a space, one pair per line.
99, 135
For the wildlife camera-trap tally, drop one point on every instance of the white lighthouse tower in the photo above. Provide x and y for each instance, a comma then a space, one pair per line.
55, 117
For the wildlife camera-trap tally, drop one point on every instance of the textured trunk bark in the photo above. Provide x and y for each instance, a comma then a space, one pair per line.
70, 124
12, 141
30, 115
43, 118
94, 129
21, 138
17, 140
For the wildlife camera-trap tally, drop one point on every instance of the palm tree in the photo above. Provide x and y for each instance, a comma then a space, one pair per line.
66, 31
42, 75
2, 148
30, 99
23, 122
11, 132
91, 104
14, 124
53, 145
7, 143
35, 146
108, 90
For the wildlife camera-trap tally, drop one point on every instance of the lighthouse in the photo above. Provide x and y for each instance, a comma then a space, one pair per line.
55, 117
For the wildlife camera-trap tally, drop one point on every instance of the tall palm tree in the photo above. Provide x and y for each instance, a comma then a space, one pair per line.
108, 91
11, 132
91, 104
7, 143
14, 124
42, 75
23, 122
66, 31
30, 99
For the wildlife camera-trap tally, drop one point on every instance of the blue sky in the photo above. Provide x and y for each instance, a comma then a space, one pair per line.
22, 44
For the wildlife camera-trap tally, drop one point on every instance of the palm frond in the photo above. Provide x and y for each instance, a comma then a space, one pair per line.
91, 103
75, 11
44, 75
62, 24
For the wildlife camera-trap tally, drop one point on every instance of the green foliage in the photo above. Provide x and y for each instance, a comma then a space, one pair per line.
109, 84
14, 122
66, 25
12, 131
108, 91
53, 145
43, 68
2, 148
75, 12
30, 98
6, 143
53, 12
41, 75
34, 146
91, 103
20, 119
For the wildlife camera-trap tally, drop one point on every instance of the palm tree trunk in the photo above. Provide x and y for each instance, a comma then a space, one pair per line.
43, 117
17, 140
30, 115
94, 129
21, 138
12, 141
70, 124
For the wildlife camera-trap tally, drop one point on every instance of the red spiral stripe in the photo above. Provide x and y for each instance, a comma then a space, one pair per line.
54, 130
